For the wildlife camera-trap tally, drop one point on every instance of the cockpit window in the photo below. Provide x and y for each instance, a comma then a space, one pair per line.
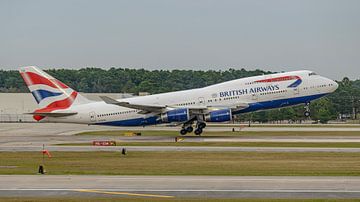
312, 73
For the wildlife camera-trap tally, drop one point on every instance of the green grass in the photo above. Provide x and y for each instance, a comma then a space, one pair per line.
186, 163
95, 199
226, 133
233, 144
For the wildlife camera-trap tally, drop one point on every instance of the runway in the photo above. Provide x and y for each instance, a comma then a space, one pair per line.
180, 186
176, 148
31, 137
36, 134
63, 129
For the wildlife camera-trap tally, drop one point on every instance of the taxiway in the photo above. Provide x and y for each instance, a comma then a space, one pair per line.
180, 186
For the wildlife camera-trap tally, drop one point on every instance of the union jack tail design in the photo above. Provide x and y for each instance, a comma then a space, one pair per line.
50, 93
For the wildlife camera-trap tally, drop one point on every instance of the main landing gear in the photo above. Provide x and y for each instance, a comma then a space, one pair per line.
307, 109
187, 127
199, 128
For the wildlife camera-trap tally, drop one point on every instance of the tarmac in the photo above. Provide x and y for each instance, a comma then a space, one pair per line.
13, 135
32, 136
41, 129
179, 186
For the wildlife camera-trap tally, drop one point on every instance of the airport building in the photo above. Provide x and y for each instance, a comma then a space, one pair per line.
14, 106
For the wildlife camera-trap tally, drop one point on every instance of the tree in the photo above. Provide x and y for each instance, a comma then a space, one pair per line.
323, 110
324, 115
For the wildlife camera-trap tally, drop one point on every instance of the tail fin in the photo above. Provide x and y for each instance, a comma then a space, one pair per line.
50, 93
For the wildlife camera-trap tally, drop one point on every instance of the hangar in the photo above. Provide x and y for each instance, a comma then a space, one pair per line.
13, 106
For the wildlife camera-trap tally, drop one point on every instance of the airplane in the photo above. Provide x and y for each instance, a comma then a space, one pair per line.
57, 102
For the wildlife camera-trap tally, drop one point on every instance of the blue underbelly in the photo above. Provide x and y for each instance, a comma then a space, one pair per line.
132, 122
279, 103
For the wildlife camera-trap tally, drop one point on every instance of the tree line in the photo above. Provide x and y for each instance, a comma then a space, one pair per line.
344, 102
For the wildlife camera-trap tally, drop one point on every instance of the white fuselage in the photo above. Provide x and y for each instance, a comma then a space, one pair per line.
258, 95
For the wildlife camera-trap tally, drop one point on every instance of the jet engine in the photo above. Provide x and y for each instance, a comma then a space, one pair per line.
221, 115
176, 115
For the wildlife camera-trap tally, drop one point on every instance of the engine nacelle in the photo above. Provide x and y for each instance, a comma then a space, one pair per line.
176, 115
221, 115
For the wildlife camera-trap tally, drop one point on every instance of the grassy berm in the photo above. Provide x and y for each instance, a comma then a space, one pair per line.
185, 163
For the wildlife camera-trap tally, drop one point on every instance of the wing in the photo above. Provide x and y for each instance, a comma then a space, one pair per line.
144, 109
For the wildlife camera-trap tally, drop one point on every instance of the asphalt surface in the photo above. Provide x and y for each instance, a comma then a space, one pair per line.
37, 134
180, 186
45, 129
31, 137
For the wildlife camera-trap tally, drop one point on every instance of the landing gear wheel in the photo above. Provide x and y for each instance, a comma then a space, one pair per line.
201, 125
198, 131
183, 131
307, 109
189, 129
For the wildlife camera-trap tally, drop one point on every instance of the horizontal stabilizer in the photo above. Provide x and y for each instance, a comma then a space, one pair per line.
53, 114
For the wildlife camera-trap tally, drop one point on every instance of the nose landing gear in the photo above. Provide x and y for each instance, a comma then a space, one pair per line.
307, 112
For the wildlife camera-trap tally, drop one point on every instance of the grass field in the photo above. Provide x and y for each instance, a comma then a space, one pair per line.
185, 163
63, 199
226, 133
232, 144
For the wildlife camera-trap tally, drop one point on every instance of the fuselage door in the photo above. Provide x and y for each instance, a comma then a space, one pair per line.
92, 116
201, 101
254, 96
296, 91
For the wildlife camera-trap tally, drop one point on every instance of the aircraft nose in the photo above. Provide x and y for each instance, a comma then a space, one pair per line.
334, 85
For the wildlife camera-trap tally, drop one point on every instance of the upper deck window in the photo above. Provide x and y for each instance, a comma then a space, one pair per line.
312, 73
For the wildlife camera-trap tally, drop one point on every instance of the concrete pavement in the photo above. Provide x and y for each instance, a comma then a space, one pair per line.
181, 186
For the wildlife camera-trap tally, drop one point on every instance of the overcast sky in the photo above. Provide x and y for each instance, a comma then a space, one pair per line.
276, 35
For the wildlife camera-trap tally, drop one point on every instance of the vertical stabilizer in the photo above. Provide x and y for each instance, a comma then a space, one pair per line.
50, 93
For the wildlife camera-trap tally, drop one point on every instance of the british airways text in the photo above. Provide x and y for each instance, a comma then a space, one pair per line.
249, 91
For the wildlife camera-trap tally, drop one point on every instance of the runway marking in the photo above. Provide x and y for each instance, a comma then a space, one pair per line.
122, 193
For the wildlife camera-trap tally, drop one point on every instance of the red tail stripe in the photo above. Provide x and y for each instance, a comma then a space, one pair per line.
34, 79
38, 117
60, 104
283, 78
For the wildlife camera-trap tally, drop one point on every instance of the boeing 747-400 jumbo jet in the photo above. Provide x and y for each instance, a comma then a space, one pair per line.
216, 103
